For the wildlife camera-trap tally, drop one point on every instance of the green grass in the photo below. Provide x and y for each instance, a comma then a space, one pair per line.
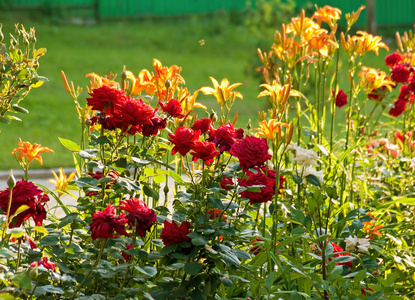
229, 52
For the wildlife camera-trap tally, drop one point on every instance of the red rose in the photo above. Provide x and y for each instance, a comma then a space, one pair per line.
400, 73
153, 129
125, 255
224, 137
173, 108
256, 249
406, 93
251, 151
106, 99
398, 107
139, 215
341, 98
205, 150
183, 140
106, 222
337, 249
393, 59
226, 183
204, 125
25, 193
174, 234
132, 115
262, 176
45, 262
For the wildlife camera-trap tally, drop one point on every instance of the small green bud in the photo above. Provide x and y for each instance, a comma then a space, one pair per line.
167, 84
11, 181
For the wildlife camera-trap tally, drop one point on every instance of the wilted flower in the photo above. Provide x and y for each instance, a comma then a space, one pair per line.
29, 151
45, 262
354, 242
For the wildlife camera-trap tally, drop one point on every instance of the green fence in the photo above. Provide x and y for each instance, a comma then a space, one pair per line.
400, 13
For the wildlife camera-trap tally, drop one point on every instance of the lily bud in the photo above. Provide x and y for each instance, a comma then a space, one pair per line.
11, 181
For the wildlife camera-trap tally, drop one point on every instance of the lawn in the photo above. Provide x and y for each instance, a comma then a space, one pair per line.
202, 47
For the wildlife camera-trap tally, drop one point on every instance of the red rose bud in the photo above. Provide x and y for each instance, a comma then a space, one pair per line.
45, 262
226, 183
24, 193
139, 215
125, 255
341, 98
205, 151
173, 108
251, 151
183, 140
174, 234
106, 222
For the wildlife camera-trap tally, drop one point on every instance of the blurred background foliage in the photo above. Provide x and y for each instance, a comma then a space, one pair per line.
82, 37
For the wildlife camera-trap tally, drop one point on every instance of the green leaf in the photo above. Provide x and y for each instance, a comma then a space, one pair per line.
53, 289
17, 108
176, 177
150, 192
87, 182
68, 144
23, 281
67, 219
192, 267
21, 209
229, 258
357, 224
226, 281
147, 270
88, 153
297, 179
168, 249
5, 120
49, 240
269, 280
16, 232
336, 272
313, 180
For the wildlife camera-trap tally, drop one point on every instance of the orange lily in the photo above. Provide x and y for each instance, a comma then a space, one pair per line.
29, 151
321, 43
222, 92
99, 81
304, 27
327, 14
61, 181
268, 129
144, 81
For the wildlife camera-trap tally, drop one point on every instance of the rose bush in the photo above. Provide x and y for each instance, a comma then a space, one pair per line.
173, 206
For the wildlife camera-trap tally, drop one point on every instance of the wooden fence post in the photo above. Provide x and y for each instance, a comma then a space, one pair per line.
371, 16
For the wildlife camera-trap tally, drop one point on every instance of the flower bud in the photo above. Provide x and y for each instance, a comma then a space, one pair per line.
167, 84
11, 181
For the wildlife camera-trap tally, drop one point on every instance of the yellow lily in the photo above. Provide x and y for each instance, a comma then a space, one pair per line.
374, 79
368, 42
278, 94
62, 180
99, 81
222, 92
187, 100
